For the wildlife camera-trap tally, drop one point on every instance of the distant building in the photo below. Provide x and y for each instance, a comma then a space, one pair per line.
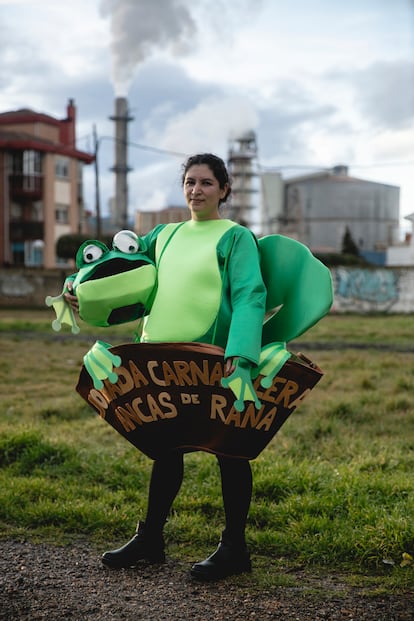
272, 196
41, 190
107, 227
402, 254
147, 220
318, 208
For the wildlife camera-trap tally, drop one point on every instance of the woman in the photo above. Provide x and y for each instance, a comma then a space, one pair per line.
222, 258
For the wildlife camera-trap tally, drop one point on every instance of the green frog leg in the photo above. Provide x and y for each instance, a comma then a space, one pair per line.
64, 313
240, 383
100, 362
272, 358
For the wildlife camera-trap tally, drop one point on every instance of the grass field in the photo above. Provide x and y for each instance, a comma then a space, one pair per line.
334, 490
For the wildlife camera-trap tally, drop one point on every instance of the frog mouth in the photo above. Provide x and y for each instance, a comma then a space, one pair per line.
126, 313
115, 266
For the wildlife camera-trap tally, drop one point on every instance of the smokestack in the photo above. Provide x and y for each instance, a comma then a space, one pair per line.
68, 126
121, 168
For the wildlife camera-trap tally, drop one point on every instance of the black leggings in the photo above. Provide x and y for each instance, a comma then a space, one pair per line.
236, 484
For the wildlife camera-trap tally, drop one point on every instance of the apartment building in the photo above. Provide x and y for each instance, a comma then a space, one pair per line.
41, 190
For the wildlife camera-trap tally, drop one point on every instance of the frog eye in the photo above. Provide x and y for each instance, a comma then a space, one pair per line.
126, 241
92, 253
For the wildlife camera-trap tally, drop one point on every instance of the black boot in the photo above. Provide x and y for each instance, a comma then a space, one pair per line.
142, 547
229, 559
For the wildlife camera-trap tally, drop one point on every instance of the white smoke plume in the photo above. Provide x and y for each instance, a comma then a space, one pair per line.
210, 122
140, 28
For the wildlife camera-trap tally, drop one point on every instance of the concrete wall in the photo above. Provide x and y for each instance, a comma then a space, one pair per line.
388, 290
20, 288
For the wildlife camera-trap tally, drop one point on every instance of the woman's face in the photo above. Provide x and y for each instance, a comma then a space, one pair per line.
202, 192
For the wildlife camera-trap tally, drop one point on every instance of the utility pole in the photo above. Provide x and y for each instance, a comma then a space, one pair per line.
97, 197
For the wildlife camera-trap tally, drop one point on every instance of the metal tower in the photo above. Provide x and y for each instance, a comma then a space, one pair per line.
243, 170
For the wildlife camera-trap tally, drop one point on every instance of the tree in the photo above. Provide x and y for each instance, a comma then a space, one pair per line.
348, 244
67, 245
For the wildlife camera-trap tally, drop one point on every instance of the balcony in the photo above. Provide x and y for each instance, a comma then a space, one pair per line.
29, 187
25, 230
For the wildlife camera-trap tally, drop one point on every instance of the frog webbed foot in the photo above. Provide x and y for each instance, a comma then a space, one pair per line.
240, 383
100, 363
64, 313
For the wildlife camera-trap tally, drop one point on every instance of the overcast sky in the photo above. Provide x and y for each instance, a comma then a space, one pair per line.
321, 82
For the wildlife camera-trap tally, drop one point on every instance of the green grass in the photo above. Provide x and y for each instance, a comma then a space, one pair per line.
333, 492
379, 329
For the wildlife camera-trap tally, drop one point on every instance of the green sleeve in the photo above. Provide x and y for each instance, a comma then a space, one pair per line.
147, 242
246, 296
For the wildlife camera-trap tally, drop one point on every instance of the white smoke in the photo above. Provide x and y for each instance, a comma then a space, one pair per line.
140, 28
212, 121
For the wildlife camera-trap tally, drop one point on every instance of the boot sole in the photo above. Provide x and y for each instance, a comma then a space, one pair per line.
207, 576
124, 565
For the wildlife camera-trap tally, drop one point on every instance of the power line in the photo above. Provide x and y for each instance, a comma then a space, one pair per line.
260, 166
156, 150
145, 147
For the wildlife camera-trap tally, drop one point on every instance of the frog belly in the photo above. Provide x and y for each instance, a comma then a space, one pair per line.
189, 285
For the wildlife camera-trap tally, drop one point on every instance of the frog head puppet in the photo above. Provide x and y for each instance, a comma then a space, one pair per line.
113, 286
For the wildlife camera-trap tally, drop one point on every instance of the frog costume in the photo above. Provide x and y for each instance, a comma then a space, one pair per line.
214, 278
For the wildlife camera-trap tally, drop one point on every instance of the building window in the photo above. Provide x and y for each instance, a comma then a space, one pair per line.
18, 253
34, 253
27, 162
16, 211
62, 167
62, 213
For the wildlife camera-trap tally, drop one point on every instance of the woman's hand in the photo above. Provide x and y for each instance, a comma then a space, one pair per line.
229, 366
71, 299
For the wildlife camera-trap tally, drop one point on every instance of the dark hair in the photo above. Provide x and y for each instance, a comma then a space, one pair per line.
217, 167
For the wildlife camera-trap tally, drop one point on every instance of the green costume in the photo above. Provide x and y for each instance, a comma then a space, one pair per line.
210, 286
201, 281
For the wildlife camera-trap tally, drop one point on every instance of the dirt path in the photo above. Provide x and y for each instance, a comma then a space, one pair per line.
39, 581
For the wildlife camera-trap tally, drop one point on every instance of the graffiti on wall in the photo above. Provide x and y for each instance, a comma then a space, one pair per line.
365, 290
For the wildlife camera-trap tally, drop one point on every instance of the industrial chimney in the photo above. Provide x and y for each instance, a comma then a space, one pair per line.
121, 169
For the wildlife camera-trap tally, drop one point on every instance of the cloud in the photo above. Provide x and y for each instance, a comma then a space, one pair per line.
385, 93
163, 89
20, 66
212, 121
47, 53
288, 119
393, 146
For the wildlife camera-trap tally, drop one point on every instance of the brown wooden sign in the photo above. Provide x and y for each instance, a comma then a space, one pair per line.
168, 396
